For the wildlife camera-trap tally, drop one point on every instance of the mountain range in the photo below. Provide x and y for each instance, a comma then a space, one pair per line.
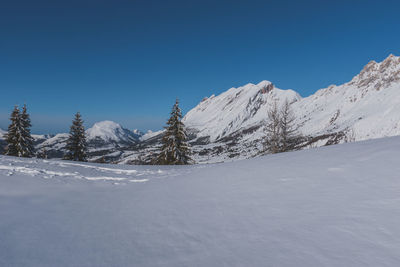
230, 125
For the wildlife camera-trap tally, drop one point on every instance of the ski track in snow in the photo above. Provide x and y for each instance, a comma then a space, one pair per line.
97, 173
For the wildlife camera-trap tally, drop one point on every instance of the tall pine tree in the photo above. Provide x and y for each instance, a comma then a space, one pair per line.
13, 136
76, 143
27, 140
175, 149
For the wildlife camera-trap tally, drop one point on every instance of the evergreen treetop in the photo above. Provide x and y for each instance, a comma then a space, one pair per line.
175, 149
76, 143
14, 134
18, 138
28, 150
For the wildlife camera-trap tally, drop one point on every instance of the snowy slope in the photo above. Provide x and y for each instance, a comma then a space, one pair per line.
102, 136
109, 131
230, 125
149, 134
331, 206
369, 104
235, 109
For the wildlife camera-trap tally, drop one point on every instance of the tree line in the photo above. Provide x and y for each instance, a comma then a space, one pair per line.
175, 149
281, 135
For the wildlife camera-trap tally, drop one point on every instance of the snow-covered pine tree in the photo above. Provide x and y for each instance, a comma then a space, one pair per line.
27, 140
272, 130
175, 149
13, 136
289, 134
76, 143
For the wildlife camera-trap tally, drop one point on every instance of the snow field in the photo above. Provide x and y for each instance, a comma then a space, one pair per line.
330, 206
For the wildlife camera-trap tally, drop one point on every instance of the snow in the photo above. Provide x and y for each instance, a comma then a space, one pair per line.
330, 206
149, 134
59, 140
236, 108
103, 136
109, 131
230, 126
137, 132
369, 105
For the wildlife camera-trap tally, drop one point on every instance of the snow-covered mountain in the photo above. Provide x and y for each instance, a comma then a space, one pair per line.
366, 107
103, 138
109, 132
235, 109
368, 104
230, 125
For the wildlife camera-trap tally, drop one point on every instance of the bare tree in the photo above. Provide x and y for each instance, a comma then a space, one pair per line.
350, 136
289, 130
281, 131
273, 130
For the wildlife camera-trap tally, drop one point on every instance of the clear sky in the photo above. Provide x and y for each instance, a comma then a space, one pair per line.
127, 61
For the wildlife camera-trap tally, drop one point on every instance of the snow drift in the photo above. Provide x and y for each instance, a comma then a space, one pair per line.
330, 206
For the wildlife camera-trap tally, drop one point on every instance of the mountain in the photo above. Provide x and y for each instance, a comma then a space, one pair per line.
103, 138
368, 104
238, 108
230, 125
109, 133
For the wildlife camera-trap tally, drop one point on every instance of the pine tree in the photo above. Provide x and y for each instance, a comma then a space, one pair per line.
76, 143
27, 140
13, 136
175, 149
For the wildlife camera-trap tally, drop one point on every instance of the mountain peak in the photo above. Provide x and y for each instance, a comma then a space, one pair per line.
390, 61
109, 131
378, 75
106, 124
236, 108
138, 132
265, 86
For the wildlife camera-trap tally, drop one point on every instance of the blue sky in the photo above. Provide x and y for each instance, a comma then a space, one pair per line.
128, 60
